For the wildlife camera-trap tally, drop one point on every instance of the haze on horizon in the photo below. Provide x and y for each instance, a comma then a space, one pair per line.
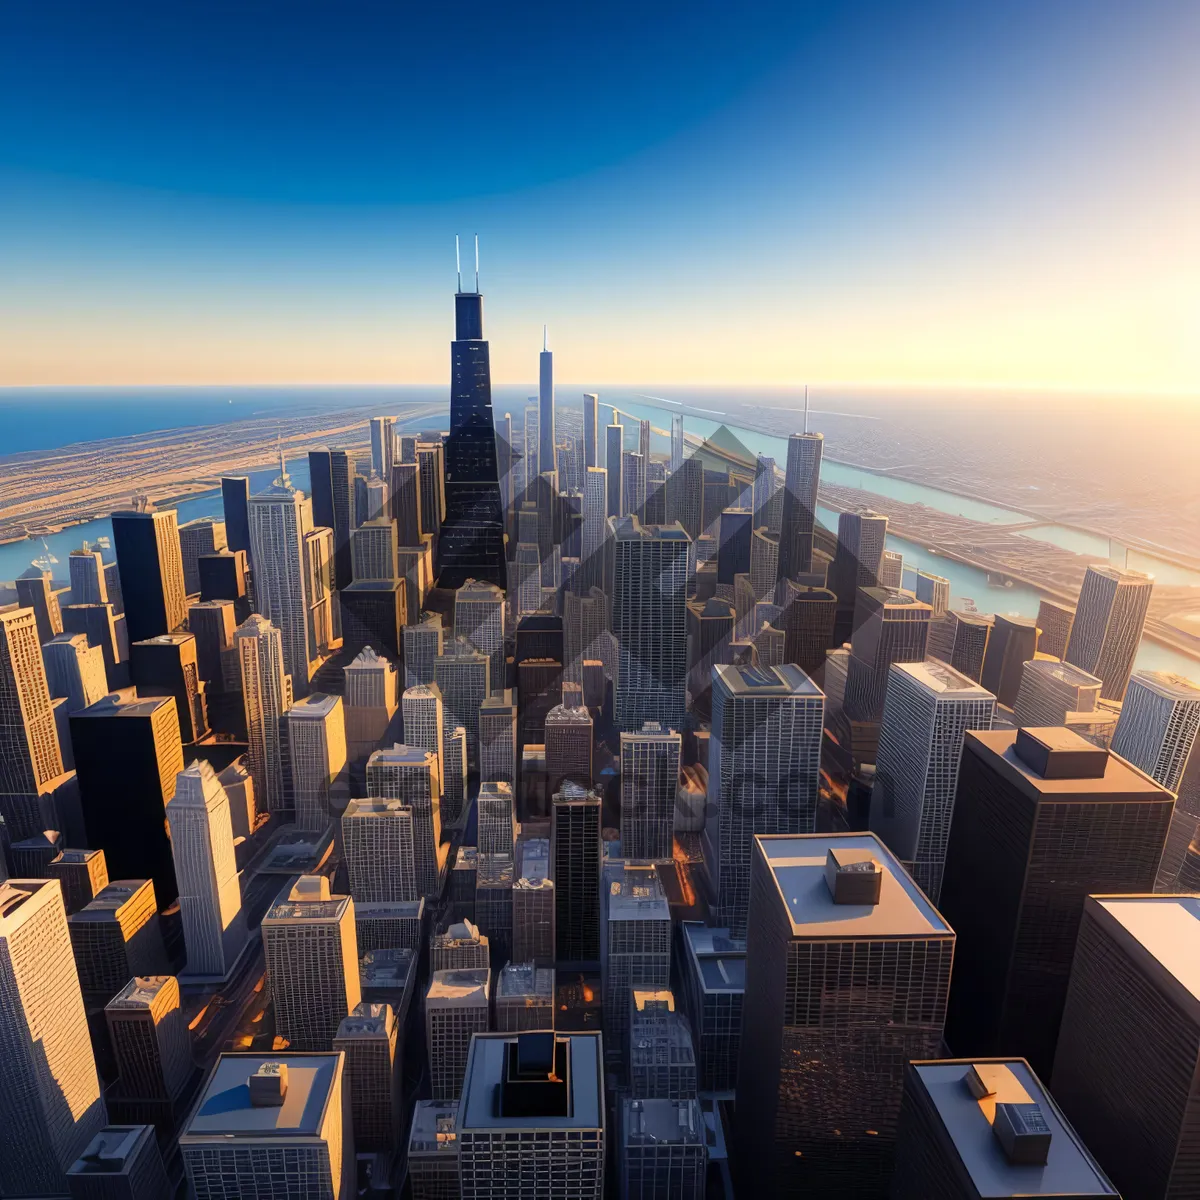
917, 195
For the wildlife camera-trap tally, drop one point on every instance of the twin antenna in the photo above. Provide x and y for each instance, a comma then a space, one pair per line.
458, 262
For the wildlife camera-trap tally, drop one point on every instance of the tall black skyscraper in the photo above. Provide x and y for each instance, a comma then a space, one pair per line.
235, 500
150, 562
331, 483
472, 541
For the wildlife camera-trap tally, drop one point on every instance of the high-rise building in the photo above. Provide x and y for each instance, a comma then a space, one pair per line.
433, 1150
383, 445
83, 875
575, 868
388, 925
568, 742
331, 480
97, 623
533, 904
223, 577
847, 975
891, 571
1158, 725
662, 1060
88, 585
613, 450
970, 1130
456, 1009
1108, 625
127, 757
547, 442
35, 590
280, 520
151, 566
378, 840
210, 896
373, 614
494, 902
961, 639
1054, 622
635, 951
714, 968
929, 708
460, 947
1127, 1071
405, 502
316, 732
633, 485
271, 1125
531, 1120
368, 1038
498, 739
454, 774
122, 1162
809, 617
650, 623
801, 480
496, 819
1012, 643
889, 627
150, 1039
663, 1149
199, 537
763, 773
524, 998
1042, 819
462, 674
50, 1102
212, 623
166, 666
1050, 690
595, 527
934, 590
433, 488
370, 696
591, 407
710, 632
413, 776
471, 544
861, 540
312, 962
235, 505
266, 695
650, 761
422, 646
479, 618
374, 550
424, 718
766, 499
115, 937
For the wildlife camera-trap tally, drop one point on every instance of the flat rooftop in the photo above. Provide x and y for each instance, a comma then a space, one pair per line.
1168, 683
224, 1109
117, 704
142, 991
1064, 672
434, 1127
634, 893
411, 910
1070, 1170
110, 1151
785, 680
525, 979
460, 989
943, 679
314, 706
485, 1069
662, 1122
387, 968
1168, 927
113, 898
398, 755
798, 864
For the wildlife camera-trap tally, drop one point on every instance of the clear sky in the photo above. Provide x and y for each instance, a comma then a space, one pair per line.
914, 191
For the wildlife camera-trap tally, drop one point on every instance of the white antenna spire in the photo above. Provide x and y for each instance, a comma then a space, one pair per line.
545, 339
806, 408
458, 262
477, 262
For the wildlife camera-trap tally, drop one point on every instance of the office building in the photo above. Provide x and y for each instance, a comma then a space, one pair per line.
733, 552
211, 623
662, 1060
847, 976
460, 947
961, 639
929, 708
424, 717
1127, 1071
801, 480
83, 874
115, 937
479, 619
266, 696
312, 962
714, 972
1054, 623
635, 951
389, 976
374, 551
166, 666
595, 527
496, 818
1042, 819
568, 742
809, 617
316, 732
31, 857
454, 774
223, 577
524, 998
891, 571
88, 584
383, 444
498, 739
462, 674
30, 755
413, 777
368, 1038
370, 695
35, 590
764, 563
456, 1009
531, 1119
377, 836
575, 868
633, 485
650, 761
331, 481
763, 773
210, 895
664, 1152
650, 623
151, 567
613, 450
50, 1102
533, 904
389, 925
97, 623
404, 502
1158, 724
494, 877
1050, 690
433, 1150
709, 634
539, 689
1012, 643
276, 1125
373, 614
433, 492
889, 627
122, 1162
124, 809
235, 505
861, 540
196, 538
1108, 625
970, 1130
591, 406
150, 1039
933, 590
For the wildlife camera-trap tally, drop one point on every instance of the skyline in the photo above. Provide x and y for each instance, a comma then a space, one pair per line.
938, 199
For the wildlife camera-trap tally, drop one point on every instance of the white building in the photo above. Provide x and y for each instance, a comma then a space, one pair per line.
266, 696
1158, 724
1108, 625
317, 744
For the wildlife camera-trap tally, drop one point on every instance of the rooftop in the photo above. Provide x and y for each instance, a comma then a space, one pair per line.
411, 909
671, 1122
630, 529
434, 1127
126, 704
798, 863
785, 680
525, 979
113, 898
943, 679
1167, 927
459, 989
1069, 1169
634, 892
141, 991
367, 1021
1065, 672
387, 968
109, 1152
1167, 683
403, 756
224, 1109
313, 706
77, 856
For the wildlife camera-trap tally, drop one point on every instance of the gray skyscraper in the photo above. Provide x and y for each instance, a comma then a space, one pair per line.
368, 1038
663, 1149
479, 618
1050, 690
456, 1009
196, 538
496, 818
614, 446
546, 439
267, 695
591, 405
151, 1042
800, 485
889, 627
1108, 625
88, 585
847, 975
1054, 621
498, 739
524, 998
1012, 643
1158, 724
860, 544
714, 966
422, 645
462, 673
568, 741
533, 904
929, 707
763, 773
382, 445
122, 1162
650, 761
378, 840
412, 776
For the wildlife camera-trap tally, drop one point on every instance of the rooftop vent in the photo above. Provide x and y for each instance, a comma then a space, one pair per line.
853, 876
1059, 753
268, 1085
1023, 1132
310, 887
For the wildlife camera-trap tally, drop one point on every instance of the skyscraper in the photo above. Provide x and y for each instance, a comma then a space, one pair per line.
595, 526
889, 627
1012, 643
934, 590
405, 503
614, 435
1041, 819
331, 480
498, 739
202, 536
1158, 725
280, 518
266, 695
150, 1040
413, 776
373, 551
714, 966
763, 773
546, 439
650, 761
424, 718
83, 875
151, 566
662, 1060
235, 504
166, 666
633, 485
35, 591
591, 406
524, 998
210, 896
575, 867
961, 639
568, 741
1108, 625
462, 673
316, 730
663, 1148
122, 1162
378, 840
422, 644
50, 1102
456, 1009
929, 708
383, 445
212, 623
531, 1121
115, 936
87, 576
1050, 690
801, 480
459, 947
1054, 623
861, 539
496, 818
1127, 1071
533, 904
368, 1038
312, 962
847, 974
479, 618
809, 617
472, 539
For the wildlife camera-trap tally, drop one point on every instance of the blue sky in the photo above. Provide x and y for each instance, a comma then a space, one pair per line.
916, 193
